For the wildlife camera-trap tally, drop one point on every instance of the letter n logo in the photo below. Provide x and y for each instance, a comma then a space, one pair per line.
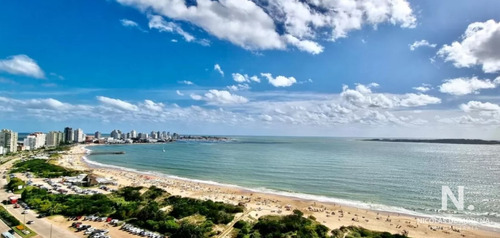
447, 193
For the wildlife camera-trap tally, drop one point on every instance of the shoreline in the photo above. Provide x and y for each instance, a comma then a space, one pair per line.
272, 202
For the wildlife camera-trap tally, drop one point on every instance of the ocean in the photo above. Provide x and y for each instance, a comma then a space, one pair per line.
395, 177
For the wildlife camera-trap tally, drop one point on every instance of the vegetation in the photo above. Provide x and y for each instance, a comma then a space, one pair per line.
152, 209
217, 212
14, 184
296, 225
24, 228
357, 231
67, 205
42, 168
8, 219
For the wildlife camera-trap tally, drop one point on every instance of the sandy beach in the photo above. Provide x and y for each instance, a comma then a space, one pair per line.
259, 204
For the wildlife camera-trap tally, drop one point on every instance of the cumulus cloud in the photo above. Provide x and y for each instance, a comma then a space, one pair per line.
363, 97
257, 79
157, 22
117, 103
244, 78
421, 43
223, 97
472, 106
423, 88
416, 100
464, 86
304, 45
196, 97
218, 69
253, 25
21, 65
279, 81
152, 106
480, 45
179, 93
239, 87
240, 78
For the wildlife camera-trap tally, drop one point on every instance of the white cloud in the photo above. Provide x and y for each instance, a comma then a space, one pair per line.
117, 103
240, 78
152, 106
186, 82
464, 86
266, 117
241, 22
218, 69
157, 22
196, 97
421, 43
131, 24
21, 65
363, 97
257, 79
279, 81
179, 93
254, 26
223, 97
220, 97
416, 100
128, 23
239, 87
480, 106
304, 45
423, 88
480, 45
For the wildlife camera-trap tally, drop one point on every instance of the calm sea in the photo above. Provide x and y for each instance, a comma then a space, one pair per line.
397, 177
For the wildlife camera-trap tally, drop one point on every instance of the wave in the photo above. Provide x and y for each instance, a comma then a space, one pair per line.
441, 218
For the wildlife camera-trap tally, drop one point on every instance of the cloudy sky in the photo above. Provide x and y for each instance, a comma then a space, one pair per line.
361, 68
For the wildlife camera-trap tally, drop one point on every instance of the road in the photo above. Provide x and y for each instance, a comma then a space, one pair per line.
40, 226
4, 228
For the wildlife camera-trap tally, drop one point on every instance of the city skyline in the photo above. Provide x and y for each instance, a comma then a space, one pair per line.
400, 68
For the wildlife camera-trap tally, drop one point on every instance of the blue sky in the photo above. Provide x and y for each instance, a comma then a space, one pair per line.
345, 68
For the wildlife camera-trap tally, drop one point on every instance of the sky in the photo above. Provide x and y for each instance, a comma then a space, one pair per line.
347, 68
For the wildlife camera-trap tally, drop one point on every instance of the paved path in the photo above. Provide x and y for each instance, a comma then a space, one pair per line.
40, 226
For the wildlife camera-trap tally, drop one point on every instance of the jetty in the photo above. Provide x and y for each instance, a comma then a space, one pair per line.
107, 153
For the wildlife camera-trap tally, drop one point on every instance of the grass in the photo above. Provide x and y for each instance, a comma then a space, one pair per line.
19, 232
11, 221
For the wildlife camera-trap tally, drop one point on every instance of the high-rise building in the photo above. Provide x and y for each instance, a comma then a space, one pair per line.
68, 135
8, 140
79, 136
116, 134
97, 135
133, 134
54, 138
35, 141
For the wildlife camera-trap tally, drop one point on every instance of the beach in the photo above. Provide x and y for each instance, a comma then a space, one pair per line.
260, 204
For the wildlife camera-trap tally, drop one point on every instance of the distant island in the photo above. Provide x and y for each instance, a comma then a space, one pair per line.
441, 141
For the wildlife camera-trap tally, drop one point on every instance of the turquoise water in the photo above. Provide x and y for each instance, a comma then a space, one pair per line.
397, 177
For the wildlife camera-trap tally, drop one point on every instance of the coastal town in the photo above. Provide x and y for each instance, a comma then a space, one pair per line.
43, 168
11, 142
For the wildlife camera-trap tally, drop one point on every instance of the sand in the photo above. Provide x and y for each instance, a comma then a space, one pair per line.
259, 204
